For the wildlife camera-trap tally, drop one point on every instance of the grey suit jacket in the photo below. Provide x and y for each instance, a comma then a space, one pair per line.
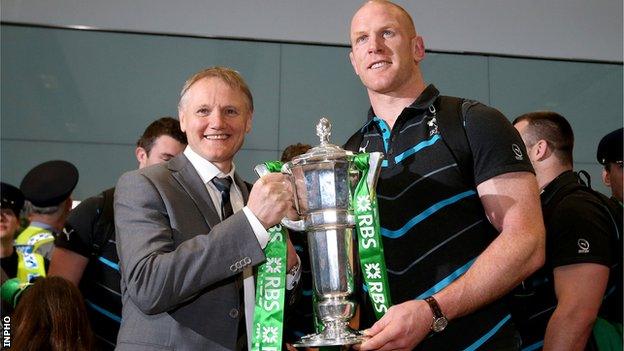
178, 261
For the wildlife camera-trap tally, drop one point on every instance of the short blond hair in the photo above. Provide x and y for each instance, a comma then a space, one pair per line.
229, 76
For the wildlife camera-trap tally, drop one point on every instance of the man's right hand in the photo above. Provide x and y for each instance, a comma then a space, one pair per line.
271, 199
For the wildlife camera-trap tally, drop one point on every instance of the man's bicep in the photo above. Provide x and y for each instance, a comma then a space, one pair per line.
580, 231
511, 200
581, 286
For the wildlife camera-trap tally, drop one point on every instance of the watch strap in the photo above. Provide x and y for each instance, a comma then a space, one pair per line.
435, 307
439, 320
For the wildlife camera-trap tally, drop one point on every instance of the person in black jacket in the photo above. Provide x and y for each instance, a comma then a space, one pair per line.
557, 306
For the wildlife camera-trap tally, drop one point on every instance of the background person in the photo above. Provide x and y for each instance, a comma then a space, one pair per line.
51, 315
11, 204
88, 249
560, 302
47, 189
609, 155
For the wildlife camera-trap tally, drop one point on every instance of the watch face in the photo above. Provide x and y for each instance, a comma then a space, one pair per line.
439, 324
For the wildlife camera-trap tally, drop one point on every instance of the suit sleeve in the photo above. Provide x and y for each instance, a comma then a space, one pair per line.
159, 275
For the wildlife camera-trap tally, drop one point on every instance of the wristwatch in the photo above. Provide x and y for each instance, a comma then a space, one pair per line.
294, 268
439, 320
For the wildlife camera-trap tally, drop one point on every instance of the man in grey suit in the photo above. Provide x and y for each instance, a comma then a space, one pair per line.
185, 254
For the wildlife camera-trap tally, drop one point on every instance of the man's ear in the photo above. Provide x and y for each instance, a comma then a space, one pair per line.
418, 48
249, 123
353, 63
182, 120
68, 204
605, 178
141, 155
541, 150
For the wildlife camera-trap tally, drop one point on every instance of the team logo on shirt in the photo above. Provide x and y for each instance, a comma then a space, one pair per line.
583, 246
433, 124
517, 151
363, 148
67, 232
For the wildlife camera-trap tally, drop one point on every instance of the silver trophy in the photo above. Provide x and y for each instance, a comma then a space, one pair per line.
323, 180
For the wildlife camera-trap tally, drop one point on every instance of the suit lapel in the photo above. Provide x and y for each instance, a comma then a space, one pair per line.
242, 186
186, 175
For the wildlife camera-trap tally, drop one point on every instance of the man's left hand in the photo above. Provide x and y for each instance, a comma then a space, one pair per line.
402, 328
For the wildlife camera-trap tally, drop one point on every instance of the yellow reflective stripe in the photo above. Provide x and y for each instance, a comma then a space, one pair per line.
30, 263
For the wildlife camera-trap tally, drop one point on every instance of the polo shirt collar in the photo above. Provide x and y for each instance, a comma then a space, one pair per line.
422, 102
564, 179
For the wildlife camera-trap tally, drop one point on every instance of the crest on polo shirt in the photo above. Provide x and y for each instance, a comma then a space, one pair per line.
68, 231
517, 152
583, 246
433, 126
363, 148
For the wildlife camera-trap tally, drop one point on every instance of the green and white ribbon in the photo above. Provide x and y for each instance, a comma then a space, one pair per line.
370, 247
268, 321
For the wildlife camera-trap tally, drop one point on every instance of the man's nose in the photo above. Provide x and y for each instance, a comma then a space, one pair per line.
375, 44
217, 121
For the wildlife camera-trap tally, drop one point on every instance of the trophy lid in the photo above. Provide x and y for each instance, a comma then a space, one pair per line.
325, 150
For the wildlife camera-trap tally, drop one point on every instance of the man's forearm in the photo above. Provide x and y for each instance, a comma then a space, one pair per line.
496, 271
511, 204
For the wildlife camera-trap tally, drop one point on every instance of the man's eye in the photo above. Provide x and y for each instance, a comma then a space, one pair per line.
231, 112
387, 33
361, 39
203, 111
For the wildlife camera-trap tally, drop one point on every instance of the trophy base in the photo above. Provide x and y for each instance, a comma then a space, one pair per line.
331, 337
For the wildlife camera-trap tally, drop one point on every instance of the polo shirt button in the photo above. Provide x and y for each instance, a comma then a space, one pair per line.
234, 313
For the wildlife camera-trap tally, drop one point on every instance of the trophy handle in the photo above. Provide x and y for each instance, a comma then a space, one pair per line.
299, 225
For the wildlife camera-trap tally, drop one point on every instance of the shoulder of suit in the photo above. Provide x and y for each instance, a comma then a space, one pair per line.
155, 172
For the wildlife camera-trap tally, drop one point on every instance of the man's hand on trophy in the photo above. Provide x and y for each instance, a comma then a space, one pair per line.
402, 328
271, 199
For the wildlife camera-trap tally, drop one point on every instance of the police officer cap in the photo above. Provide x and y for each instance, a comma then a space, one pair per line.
610, 147
50, 183
12, 198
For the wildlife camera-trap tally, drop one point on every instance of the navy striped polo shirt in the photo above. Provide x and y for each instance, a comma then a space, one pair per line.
433, 223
